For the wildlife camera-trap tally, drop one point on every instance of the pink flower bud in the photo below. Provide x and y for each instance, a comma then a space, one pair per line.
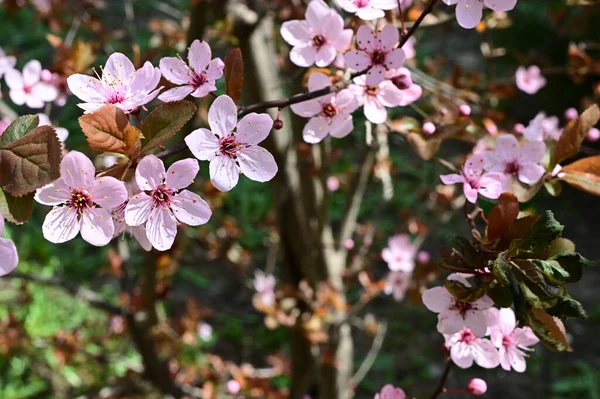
444, 111
571, 114
477, 387
519, 128
593, 134
46, 75
402, 81
333, 183
233, 386
423, 257
428, 128
464, 110
349, 244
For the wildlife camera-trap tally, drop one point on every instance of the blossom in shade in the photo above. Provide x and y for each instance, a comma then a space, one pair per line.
264, 284
377, 52
453, 315
233, 152
397, 284
61, 132
409, 48
8, 252
205, 331
318, 38
512, 342
470, 12
118, 215
233, 387
593, 135
368, 9
197, 79
530, 80
477, 387
400, 253
476, 180
429, 128
467, 347
163, 200
390, 392
333, 183
81, 203
330, 114
27, 87
423, 257
7, 62
121, 84
543, 128
571, 113
514, 160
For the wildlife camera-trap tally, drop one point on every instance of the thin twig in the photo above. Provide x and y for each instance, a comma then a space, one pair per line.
439, 389
366, 365
417, 23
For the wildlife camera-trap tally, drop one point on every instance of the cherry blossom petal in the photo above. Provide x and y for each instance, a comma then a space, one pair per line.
203, 144
257, 163
325, 55
199, 56
118, 70
108, 192
469, 13
530, 173
55, 193
315, 130
470, 193
86, 88
389, 95
507, 147
97, 227
138, 210
77, 171
18, 96
318, 81
31, 72
316, 12
492, 186
303, 56
375, 75
307, 108
369, 13
13, 79
145, 79
343, 41
437, 299
375, 111
222, 116
139, 233
366, 39
485, 354
410, 95
182, 174
176, 93
389, 37
224, 173
346, 101
532, 151
254, 128
60, 225
204, 90
460, 354
161, 229
500, 5
215, 69
476, 321
341, 126
296, 33
149, 173
175, 70
9, 258
452, 179
357, 60
190, 209
44, 92
525, 336
450, 322
395, 58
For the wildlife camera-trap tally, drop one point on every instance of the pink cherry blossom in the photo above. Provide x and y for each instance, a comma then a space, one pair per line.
205, 331
7, 62
470, 12
231, 153
118, 215
397, 284
593, 135
409, 48
400, 253
197, 79
514, 160
317, 39
571, 113
121, 84
376, 52
454, 314
477, 387
163, 200
61, 132
464, 110
368, 9
467, 347
81, 203
28, 88
8, 252
543, 128
530, 80
390, 392
428, 128
330, 114
476, 180
512, 342
264, 284
423, 257
233, 386
333, 183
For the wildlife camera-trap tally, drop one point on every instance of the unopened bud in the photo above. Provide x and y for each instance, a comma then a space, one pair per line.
477, 387
464, 110
593, 134
571, 114
278, 124
519, 128
428, 128
46, 75
402, 81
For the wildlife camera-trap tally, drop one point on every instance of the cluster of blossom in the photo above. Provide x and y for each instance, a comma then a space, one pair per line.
475, 387
477, 332
400, 257
470, 12
264, 284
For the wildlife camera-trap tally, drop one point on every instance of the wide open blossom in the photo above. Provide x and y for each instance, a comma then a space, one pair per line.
233, 152
376, 52
330, 114
264, 284
455, 315
397, 284
7, 62
8, 252
530, 80
514, 160
470, 12
28, 88
542, 128
512, 342
368, 9
400, 253
163, 200
197, 79
476, 180
121, 84
81, 202
318, 38
118, 215
61, 132
467, 347
390, 392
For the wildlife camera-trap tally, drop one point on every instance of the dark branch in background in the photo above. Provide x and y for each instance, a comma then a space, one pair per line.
366, 365
439, 389
418, 22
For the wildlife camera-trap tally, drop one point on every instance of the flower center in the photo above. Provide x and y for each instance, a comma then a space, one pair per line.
319, 40
162, 196
329, 110
80, 201
506, 341
198, 80
116, 98
378, 57
27, 89
463, 307
229, 146
467, 336
372, 90
512, 168
361, 3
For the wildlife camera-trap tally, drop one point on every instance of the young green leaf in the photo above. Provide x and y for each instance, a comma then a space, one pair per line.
550, 330
19, 128
16, 210
164, 121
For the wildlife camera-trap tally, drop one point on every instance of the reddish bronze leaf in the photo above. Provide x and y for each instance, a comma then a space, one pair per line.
583, 174
502, 216
105, 129
234, 74
574, 133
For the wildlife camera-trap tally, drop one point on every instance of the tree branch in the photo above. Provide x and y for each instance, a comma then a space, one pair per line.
439, 389
367, 363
